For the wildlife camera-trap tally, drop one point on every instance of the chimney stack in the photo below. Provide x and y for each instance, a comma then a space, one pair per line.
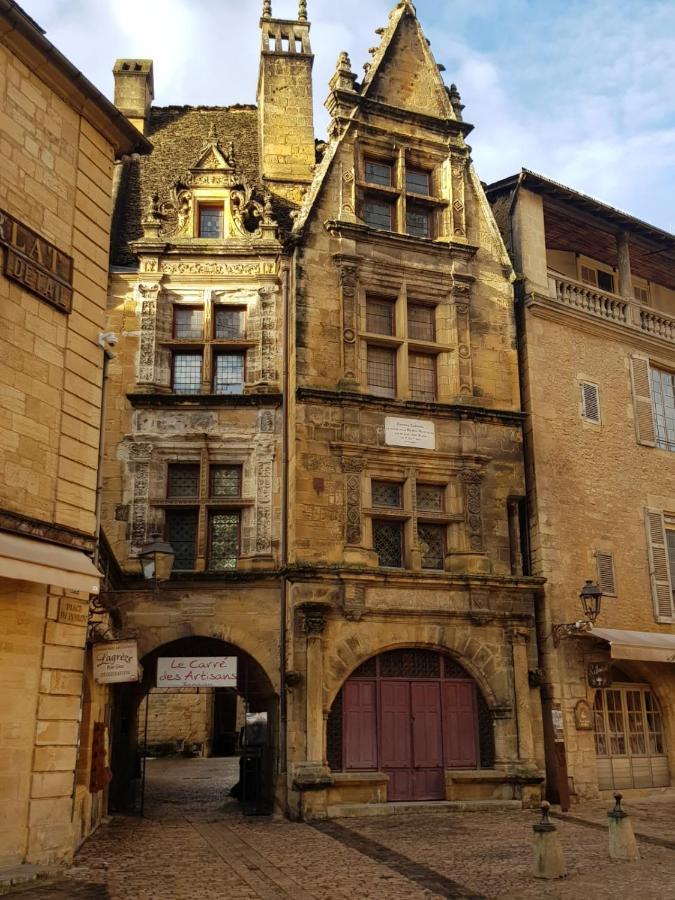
134, 90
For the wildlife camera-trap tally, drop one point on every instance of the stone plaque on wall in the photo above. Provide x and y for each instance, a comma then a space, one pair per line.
419, 433
73, 612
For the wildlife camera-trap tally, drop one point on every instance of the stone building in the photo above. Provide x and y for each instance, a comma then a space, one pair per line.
596, 314
58, 140
316, 402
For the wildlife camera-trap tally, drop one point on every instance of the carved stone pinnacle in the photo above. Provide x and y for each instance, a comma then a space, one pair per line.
302, 11
267, 9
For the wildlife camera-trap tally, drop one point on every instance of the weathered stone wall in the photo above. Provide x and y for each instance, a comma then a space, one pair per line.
179, 716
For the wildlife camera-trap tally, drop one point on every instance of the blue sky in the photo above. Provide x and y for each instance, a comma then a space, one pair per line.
580, 90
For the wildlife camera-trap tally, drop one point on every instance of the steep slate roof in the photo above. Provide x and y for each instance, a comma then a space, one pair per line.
178, 135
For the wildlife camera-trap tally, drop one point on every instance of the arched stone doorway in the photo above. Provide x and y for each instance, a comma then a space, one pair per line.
412, 714
129, 729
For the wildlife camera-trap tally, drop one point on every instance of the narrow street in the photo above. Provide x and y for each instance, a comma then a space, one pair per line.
194, 843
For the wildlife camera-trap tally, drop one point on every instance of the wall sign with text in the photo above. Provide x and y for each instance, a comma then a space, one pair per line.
197, 671
35, 264
115, 662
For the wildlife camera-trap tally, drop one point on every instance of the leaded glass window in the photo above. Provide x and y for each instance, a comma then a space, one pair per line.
418, 221
430, 497
387, 494
210, 221
663, 399
432, 545
181, 533
223, 541
379, 214
182, 481
388, 542
188, 323
382, 371
422, 368
226, 481
378, 173
380, 316
421, 322
228, 376
187, 373
417, 182
229, 323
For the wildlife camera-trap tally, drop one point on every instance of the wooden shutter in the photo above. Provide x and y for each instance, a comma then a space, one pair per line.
606, 578
360, 738
590, 402
662, 591
460, 726
642, 401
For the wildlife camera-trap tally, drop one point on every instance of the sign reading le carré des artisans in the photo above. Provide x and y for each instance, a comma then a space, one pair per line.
35, 264
197, 671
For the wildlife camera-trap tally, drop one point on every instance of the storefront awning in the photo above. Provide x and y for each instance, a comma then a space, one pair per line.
639, 645
25, 559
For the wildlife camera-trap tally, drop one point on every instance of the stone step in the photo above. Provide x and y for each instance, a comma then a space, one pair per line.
423, 807
24, 874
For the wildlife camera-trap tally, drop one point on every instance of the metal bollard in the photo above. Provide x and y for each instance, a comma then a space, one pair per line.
622, 843
549, 861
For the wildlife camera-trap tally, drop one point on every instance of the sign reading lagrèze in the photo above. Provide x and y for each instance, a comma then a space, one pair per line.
35, 264
115, 662
197, 671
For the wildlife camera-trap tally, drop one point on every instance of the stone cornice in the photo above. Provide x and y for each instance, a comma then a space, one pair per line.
413, 407
359, 231
192, 401
46, 531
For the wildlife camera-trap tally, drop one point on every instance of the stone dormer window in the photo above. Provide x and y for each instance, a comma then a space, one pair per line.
211, 218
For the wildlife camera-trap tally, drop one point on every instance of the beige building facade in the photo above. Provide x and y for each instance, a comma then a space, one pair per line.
58, 139
596, 313
315, 400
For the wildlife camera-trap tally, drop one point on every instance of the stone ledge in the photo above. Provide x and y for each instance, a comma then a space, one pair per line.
432, 807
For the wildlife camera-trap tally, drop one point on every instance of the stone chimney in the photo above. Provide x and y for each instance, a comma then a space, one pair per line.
285, 102
134, 90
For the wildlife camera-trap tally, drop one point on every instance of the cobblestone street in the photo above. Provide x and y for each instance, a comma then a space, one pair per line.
195, 843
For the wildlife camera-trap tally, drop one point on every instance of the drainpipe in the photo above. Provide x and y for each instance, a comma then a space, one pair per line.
106, 340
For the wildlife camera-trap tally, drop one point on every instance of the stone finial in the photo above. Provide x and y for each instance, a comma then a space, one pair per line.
302, 11
213, 133
267, 9
230, 154
456, 101
343, 79
344, 63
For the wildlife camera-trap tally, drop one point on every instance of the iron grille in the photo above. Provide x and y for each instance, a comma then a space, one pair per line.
386, 494
410, 663
228, 376
382, 371
223, 541
432, 545
182, 481
334, 735
388, 543
452, 669
229, 324
421, 324
430, 497
380, 316
418, 221
181, 533
379, 214
226, 481
367, 669
422, 376
187, 373
188, 323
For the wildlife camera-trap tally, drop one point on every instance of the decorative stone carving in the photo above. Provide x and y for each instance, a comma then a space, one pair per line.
353, 467
263, 537
472, 479
218, 268
314, 619
354, 604
149, 294
266, 421
348, 269
140, 451
268, 343
458, 201
122, 512
461, 292
139, 509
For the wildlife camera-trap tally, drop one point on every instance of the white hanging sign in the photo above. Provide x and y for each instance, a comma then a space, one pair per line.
197, 671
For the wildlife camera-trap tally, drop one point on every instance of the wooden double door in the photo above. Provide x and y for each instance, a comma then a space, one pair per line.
412, 730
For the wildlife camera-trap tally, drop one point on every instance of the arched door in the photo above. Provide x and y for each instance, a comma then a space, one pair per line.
629, 741
411, 714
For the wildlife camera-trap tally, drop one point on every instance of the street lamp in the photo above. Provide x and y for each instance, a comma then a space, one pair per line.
591, 598
156, 558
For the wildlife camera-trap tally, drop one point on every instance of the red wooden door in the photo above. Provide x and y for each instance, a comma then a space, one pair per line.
459, 724
395, 734
427, 743
360, 725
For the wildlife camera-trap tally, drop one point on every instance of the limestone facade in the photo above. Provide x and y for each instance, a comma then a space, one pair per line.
596, 310
55, 209
368, 414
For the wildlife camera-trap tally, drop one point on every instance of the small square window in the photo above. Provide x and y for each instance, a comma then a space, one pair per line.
378, 173
382, 371
430, 497
229, 323
422, 369
421, 322
388, 542
387, 494
606, 282
224, 528
188, 323
379, 316
228, 376
417, 182
187, 373
225, 481
211, 222
181, 533
182, 481
432, 545
418, 221
379, 214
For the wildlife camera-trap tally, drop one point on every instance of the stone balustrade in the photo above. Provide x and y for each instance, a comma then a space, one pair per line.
611, 308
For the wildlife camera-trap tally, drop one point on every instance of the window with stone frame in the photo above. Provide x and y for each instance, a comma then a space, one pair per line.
215, 499
211, 218
398, 194
402, 347
432, 534
208, 349
663, 404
